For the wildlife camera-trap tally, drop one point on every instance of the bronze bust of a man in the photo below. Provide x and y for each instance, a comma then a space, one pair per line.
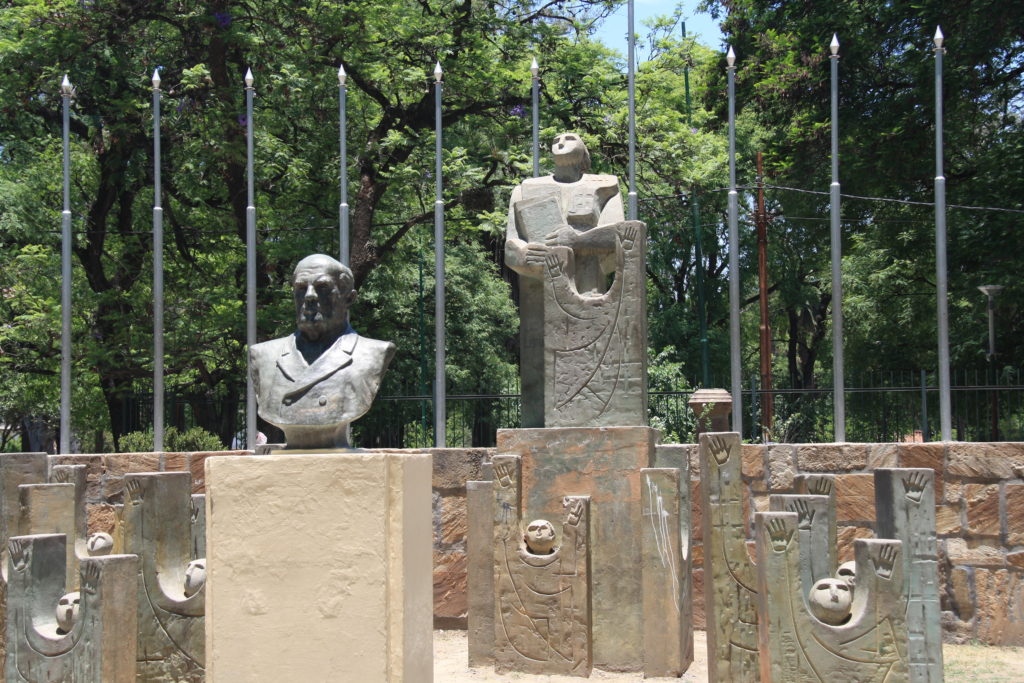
315, 382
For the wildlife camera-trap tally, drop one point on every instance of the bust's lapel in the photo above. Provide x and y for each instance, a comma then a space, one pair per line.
329, 362
291, 363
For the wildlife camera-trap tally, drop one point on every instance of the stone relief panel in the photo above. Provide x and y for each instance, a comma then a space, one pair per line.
665, 555
730, 578
158, 527
905, 505
541, 588
54, 636
595, 343
823, 634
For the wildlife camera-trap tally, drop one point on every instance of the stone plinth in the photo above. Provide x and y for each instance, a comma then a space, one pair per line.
603, 463
319, 567
713, 408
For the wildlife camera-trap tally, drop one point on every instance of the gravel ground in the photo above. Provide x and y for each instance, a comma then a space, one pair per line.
975, 663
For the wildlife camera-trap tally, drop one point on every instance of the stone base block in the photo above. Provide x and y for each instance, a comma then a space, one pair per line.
319, 568
603, 463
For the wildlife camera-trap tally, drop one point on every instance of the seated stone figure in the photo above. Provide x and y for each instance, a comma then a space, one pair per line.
315, 382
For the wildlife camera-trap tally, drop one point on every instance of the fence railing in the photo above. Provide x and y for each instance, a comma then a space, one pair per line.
883, 407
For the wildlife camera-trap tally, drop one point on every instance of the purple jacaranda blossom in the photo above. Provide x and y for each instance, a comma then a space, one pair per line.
243, 120
518, 110
223, 19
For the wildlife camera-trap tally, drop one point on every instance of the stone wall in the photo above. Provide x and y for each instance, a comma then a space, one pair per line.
980, 516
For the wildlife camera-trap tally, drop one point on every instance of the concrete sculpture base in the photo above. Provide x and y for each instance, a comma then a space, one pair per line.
319, 568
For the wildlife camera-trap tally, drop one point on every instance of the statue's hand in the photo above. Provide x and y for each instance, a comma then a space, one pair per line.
563, 237
525, 257
535, 254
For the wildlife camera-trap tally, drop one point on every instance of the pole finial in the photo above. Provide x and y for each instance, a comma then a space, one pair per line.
437, 72
341, 74
535, 68
65, 86
939, 38
249, 80
156, 78
834, 45
730, 57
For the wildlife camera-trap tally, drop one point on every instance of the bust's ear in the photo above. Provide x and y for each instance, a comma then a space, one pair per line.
351, 298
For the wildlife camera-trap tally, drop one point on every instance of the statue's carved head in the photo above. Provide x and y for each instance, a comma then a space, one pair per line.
568, 149
323, 289
195, 576
830, 601
100, 544
540, 537
67, 612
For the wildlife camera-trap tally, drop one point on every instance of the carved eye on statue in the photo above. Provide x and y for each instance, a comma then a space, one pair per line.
848, 572
540, 537
99, 544
195, 577
830, 601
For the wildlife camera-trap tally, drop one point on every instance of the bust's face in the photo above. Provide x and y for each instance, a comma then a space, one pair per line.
830, 601
568, 150
321, 305
540, 537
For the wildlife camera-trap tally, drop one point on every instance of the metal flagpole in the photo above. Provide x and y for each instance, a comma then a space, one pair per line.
705, 357
945, 416
343, 239
838, 378
734, 257
250, 269
632, 116
440, 414
66, 91
535, 70
158, 278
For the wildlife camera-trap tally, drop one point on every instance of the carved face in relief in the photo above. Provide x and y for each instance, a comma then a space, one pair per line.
67, 612
568, 149
830, 601
195, 576
100, 544
848, 572
540, 537
322, 288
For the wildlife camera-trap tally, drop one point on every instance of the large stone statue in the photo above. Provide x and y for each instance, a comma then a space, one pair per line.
315, 382
582, 333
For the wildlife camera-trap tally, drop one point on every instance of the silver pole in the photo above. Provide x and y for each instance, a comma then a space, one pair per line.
158, 279
250, 268
440, 413
343, 239
632, 116
838, 379
734, 257
535, 70
66, 90
945, 408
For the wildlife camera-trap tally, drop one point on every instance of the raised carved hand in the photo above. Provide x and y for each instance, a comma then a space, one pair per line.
61, 476
779, 534
134, 489
805, 514
20, 551
575, 507
503, 471
629, 237
90, 577
554, 265
885, 561
719, 449
914, 486
819, 486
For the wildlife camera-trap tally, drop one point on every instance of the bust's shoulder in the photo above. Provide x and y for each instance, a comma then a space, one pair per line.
273, 346
376, 347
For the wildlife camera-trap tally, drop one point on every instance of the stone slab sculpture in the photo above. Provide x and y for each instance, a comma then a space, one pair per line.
822, 485
542, 597
198, 527
319, 567
803, 637
665, 557
905, 509
315, 382
582, 341
603, 463
480, 572
817, 546
100, 644
730, 577
157, 521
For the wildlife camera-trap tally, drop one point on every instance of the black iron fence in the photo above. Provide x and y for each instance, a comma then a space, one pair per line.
880, 407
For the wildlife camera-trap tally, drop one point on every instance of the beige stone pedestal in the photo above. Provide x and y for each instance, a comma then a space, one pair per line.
319, 568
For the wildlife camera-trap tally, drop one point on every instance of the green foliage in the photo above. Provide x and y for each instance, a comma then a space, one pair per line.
192, 440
